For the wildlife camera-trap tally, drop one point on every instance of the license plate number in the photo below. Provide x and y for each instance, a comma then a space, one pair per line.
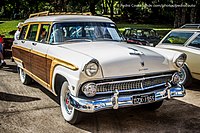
143, 99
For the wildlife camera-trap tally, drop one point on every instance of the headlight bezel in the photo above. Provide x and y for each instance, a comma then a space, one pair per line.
91, 68
180, 61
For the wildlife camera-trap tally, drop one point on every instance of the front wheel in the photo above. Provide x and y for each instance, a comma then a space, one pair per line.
185, 76
25, 79
70, 114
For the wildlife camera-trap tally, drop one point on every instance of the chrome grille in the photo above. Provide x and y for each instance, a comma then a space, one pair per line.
133, 85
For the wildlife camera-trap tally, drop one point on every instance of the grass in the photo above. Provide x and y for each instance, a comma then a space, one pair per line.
8, 26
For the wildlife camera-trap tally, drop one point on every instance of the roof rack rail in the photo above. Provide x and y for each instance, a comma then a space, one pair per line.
47, 13
197, 26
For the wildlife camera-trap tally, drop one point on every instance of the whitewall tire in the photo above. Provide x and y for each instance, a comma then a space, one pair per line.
69, 113
185, 76
25, 79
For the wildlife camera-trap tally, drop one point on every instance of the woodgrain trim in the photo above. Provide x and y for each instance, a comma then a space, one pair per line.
38, 53
40, 81
16, 59
54, 63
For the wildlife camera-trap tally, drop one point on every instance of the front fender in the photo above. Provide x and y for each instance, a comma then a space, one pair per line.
71, 76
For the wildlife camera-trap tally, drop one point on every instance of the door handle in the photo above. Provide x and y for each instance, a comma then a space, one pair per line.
23, 41
34, 43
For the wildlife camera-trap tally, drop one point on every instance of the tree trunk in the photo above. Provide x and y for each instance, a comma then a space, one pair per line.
193, 15
177, 17
183, 15
112, 9
92, 7
106, 7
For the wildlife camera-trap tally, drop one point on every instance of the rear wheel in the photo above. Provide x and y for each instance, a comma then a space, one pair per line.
185, 76
70, 114
153, 106
25, 79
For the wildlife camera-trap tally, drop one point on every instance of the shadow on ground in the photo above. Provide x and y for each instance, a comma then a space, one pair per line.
16, 98
10, 68
173, 116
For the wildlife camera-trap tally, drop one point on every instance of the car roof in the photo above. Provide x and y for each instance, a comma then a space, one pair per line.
68, 18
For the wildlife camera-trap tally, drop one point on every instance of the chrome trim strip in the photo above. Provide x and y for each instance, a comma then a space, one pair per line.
143, 78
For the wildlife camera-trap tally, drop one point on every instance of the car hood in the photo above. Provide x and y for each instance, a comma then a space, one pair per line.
119, 59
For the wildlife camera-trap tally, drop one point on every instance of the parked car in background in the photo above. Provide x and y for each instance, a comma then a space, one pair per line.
83, 60
141, 36
188, 41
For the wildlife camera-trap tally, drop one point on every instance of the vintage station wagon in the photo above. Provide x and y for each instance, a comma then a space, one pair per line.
84, 61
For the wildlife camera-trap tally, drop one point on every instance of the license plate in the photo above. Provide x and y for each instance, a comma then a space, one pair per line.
143, 99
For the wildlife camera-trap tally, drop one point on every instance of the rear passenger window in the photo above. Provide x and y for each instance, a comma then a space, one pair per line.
44, 31
32, 32
23, 32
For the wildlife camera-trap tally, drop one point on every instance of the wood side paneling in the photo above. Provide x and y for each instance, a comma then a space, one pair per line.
38, 65
49, 61
25, 57
16, 53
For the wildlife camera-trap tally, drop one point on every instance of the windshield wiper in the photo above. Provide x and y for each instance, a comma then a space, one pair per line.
79, 40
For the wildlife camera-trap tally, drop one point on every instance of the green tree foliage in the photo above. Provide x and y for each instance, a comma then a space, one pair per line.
136, 11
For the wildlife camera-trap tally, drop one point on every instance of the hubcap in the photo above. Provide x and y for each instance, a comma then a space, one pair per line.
182, 75
22, 74
68, 106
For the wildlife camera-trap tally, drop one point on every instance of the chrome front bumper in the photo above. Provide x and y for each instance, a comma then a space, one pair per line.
116, 101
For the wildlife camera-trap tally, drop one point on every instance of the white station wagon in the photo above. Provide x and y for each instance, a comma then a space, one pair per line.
85, 62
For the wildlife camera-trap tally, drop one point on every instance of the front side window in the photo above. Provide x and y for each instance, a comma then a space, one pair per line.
84, 31
32, 32
23, 32
196, 42
177, 38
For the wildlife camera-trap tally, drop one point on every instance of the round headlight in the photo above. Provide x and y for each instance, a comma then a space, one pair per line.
180, 60
176, 78
91, 68
89, 89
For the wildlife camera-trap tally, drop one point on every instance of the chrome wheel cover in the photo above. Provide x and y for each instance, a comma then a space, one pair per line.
182, 75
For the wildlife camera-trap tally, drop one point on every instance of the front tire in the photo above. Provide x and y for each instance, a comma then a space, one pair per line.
25, 79
185, 76
70, 114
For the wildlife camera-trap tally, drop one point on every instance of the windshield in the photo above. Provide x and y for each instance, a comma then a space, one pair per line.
84, 31
177, 38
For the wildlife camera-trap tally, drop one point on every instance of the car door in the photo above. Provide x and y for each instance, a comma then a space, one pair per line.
39, 64
21, 49
193, 56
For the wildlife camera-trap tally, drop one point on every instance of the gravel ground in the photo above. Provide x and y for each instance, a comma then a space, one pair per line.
33, 109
